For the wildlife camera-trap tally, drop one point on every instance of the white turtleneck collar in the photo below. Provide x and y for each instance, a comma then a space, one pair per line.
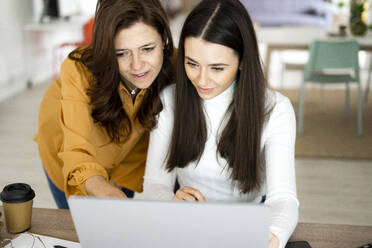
225, 96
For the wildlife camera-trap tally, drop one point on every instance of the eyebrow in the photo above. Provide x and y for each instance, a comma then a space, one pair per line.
148, 44
215, 64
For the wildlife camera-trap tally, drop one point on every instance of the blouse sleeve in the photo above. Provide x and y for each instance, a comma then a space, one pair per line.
158, 182
78, 152
279, 145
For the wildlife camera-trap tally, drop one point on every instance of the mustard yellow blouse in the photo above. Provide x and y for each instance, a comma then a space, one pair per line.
73, 147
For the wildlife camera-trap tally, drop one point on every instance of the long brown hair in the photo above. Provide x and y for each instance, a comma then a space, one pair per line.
225, 22
107, 108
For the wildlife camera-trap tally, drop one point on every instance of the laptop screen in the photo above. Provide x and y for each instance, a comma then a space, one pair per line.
107, 222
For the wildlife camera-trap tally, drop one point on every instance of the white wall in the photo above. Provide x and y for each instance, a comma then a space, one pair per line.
27, 55
13, 15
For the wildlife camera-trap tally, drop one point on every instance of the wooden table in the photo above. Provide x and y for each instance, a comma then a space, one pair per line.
46, 221
58, 223
300, 38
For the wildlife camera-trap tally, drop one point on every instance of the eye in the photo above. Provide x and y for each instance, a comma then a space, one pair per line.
217, 69
148, 49
191, 64
122, 53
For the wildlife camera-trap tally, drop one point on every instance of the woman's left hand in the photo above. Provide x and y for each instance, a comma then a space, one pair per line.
273, 241
189, 194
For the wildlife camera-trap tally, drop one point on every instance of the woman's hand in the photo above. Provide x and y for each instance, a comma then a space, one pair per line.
188, 194
273, 241
98, 186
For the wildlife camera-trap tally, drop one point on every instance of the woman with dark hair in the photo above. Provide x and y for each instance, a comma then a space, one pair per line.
94, 120
222, 132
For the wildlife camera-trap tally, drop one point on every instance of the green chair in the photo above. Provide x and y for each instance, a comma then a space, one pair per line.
332, 62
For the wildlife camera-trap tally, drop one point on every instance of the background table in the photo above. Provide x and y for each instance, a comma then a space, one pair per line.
58, 223
40, 42
300, 38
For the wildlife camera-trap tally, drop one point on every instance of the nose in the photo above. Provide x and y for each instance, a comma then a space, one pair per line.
202, 78
136, 63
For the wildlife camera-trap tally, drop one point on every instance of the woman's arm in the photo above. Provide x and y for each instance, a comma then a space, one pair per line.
83, 175
99, 187
279, 138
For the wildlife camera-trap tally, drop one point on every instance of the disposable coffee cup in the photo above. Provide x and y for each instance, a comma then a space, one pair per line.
17, 201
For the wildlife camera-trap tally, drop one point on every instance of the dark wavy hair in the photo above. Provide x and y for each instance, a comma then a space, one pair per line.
100, 58
224, 22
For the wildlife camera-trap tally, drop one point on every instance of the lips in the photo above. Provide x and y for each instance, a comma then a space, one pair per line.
205, 90
140, 75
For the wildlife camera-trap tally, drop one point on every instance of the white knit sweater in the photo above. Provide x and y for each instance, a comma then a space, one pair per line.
211, 177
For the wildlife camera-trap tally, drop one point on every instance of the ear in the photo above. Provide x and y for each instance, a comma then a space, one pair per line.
240, 65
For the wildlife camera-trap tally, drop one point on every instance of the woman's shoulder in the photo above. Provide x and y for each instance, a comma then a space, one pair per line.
75, 72
276, 100
280, 110
280, 118
73, 65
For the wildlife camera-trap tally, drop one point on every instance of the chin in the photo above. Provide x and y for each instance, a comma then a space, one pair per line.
206, 97
144, 85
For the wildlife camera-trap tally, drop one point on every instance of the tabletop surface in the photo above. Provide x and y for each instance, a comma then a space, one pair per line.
58, 223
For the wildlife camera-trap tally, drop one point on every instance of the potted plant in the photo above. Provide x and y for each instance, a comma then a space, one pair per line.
357, 25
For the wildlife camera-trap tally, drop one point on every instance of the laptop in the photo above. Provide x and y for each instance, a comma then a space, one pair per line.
109, 222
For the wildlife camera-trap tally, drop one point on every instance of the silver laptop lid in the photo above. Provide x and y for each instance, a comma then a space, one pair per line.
106, 222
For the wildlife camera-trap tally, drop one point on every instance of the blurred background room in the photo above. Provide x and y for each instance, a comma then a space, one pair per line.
334, 149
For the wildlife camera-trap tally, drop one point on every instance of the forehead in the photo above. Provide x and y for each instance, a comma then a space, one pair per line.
135, 36
207, 52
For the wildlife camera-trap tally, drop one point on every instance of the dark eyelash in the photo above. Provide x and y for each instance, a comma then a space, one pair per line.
192, 64
121, 53
149, 49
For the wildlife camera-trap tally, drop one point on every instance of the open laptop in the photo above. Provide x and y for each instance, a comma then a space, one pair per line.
106, 222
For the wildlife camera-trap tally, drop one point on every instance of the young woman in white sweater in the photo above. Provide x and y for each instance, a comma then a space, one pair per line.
222, 133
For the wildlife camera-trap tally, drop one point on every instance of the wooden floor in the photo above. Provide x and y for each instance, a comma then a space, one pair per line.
330, 191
